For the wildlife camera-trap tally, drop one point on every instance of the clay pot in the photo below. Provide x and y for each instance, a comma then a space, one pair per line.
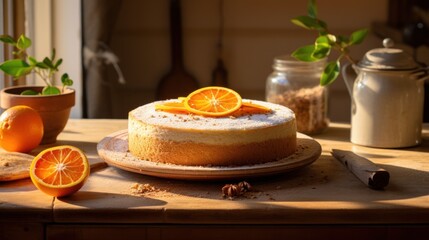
54, 109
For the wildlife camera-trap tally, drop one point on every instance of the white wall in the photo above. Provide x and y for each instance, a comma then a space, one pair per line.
67, 40
2, 85
255, 32
57, 24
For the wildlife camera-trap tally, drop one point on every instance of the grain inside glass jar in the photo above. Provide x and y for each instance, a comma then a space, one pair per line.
295, 84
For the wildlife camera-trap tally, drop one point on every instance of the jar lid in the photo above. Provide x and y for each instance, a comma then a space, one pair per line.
388, 58
286, 62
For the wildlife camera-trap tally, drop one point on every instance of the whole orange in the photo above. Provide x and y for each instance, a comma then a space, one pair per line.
21, 129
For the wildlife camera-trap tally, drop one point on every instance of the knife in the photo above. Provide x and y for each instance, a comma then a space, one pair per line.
369, 173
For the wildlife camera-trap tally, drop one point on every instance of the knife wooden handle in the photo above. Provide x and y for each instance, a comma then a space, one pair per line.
369, 173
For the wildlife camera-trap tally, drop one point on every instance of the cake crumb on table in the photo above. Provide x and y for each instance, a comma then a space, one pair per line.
139, 188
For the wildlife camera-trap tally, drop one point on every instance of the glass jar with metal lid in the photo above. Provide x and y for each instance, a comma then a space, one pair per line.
296, 85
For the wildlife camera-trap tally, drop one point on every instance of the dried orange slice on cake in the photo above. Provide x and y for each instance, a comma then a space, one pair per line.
256, 107
60, 171
172, 107
213, 101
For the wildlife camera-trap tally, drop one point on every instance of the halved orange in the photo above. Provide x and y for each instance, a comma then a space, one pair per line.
213, 101
60, 171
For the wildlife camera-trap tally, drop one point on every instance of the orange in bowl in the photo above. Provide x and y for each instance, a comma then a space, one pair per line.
60, 171
21, 129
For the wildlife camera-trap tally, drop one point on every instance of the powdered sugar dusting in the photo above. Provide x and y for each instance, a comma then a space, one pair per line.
279, 115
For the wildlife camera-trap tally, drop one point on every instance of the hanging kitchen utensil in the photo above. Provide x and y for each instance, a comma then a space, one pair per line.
415, 34
178, 82
219, 73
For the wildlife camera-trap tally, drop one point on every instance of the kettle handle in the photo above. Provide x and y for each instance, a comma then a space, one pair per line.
421, 74
349, 76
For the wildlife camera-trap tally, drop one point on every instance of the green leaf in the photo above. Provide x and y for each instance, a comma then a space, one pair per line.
315, 52
42, 65
51, 90
58, 63
23, 42
322, 47
330, 73
64, 76
343, 41
321, 52
7, 39
324, 41
32, 61
16, 68
48, 62
53, 54
312, 9
309, 23
358, 36
29, 92
66, 80
305, 53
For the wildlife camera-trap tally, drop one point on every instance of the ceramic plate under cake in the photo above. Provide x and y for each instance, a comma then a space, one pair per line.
114, 150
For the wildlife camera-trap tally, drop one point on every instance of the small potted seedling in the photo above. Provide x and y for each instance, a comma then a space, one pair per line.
53, 102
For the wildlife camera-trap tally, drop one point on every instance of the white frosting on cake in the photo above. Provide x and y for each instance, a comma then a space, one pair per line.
213, 130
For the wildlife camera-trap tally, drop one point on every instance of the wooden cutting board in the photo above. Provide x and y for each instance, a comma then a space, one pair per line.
14, 165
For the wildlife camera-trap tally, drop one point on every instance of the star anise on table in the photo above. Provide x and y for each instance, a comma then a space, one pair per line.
232, 191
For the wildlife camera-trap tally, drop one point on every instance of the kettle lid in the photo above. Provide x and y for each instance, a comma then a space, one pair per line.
388, 58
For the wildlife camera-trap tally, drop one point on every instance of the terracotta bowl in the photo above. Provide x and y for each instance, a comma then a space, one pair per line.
54, 109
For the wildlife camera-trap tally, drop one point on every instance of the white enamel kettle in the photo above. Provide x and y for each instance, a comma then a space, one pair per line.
387, 91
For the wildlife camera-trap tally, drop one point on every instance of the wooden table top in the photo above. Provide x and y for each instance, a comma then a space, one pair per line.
324, 192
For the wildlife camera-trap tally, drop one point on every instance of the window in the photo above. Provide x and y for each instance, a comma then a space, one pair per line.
12, 23
57, 24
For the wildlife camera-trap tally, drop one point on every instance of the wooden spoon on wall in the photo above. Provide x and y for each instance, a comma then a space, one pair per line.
178, 82
220, 73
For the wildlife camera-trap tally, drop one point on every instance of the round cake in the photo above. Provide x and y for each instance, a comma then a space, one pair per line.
234, 140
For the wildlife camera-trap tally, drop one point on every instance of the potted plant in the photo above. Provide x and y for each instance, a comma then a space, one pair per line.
325, 42
51, 101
